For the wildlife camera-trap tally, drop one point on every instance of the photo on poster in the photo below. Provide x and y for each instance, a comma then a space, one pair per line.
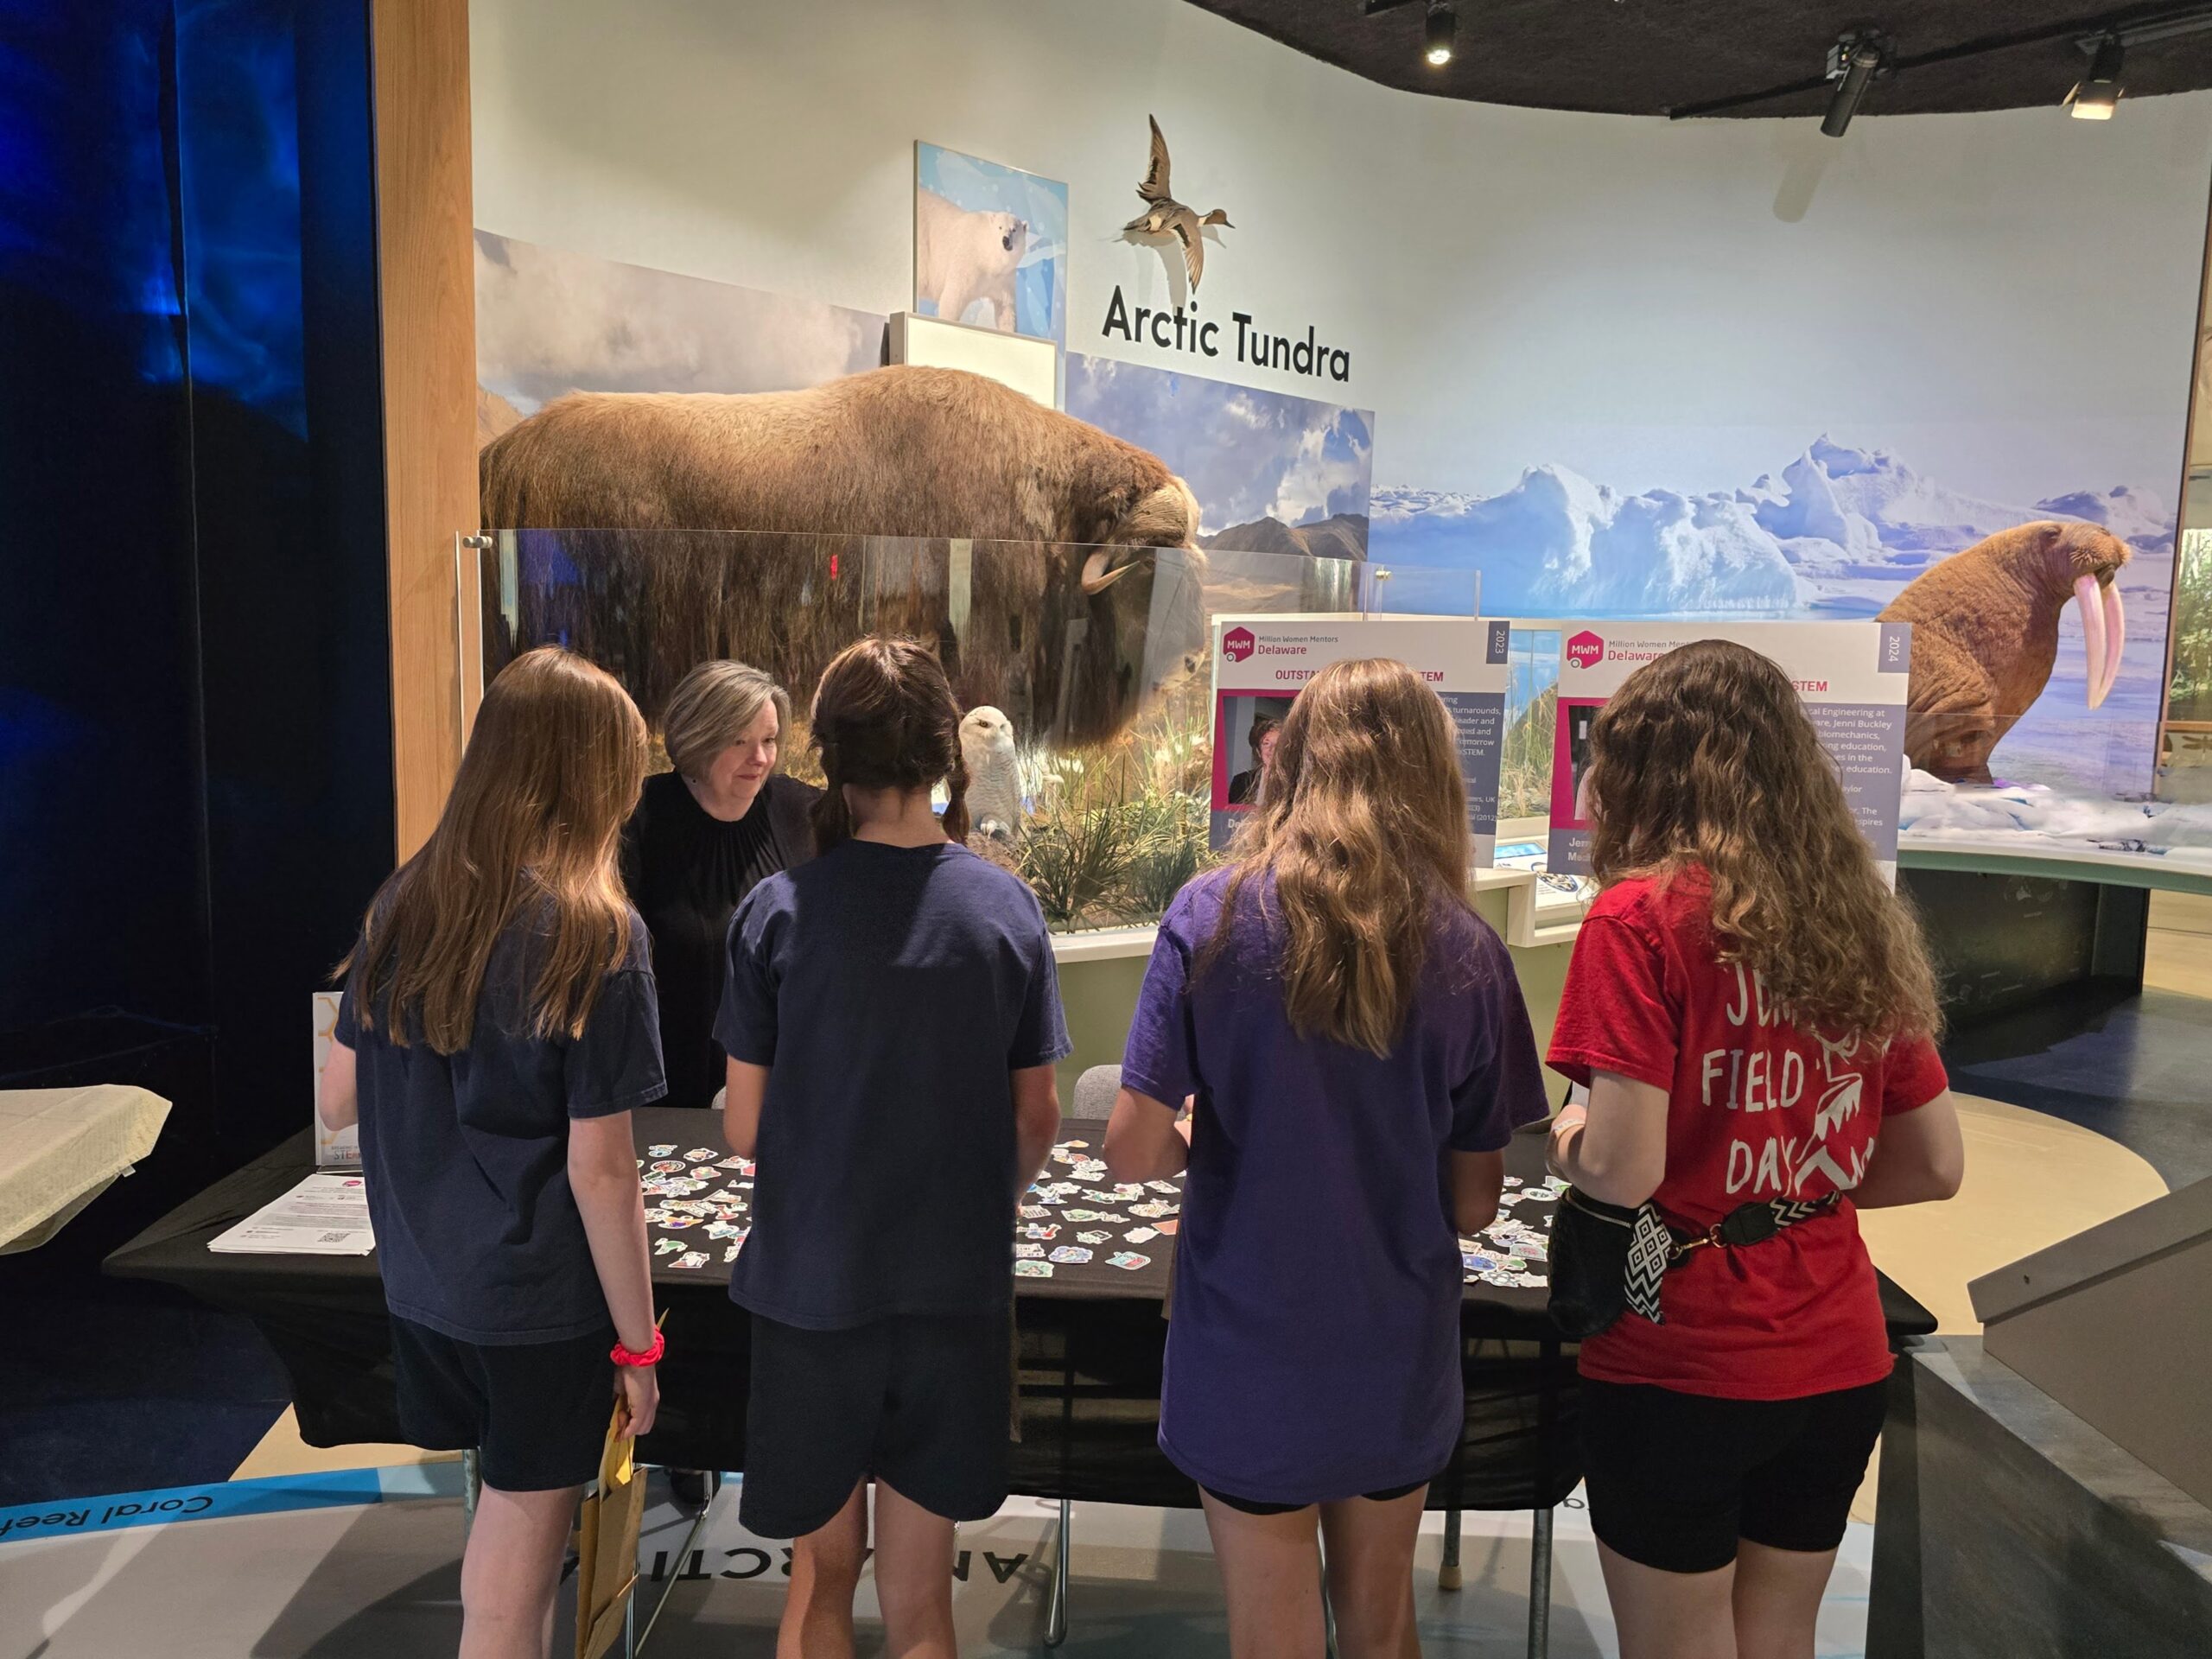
990, 244
1250, 723
549, 321
1578, 717
1272, 473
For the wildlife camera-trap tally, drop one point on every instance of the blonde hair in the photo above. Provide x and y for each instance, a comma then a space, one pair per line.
553, 769
1706, 759
710, 708
1363, 827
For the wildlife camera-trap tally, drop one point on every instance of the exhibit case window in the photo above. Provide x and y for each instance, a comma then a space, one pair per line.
2186, 772
1098, 658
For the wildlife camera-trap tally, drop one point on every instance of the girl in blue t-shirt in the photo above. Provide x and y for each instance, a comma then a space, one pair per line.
1356, 1043
892, 1020
497, 1027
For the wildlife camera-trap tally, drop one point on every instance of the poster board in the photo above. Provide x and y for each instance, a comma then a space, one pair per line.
341, 1150
1260, 662
1852, 677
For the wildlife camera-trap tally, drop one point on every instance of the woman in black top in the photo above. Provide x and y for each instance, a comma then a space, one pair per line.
702, 837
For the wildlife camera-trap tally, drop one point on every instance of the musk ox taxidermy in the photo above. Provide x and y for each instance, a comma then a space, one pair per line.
761, 527
1985, 636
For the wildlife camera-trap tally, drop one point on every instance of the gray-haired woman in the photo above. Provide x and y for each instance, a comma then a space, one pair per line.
702, 837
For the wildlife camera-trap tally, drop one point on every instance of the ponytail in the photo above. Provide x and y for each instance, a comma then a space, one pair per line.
955, 806
833, 819
884, 718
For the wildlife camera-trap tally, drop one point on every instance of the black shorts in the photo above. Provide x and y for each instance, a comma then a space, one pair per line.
1247, 1506
1676, 1479
536, 1413
925, 1403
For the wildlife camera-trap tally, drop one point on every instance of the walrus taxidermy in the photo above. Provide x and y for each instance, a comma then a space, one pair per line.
1985, 636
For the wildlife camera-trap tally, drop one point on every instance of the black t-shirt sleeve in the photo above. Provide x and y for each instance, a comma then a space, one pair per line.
347, 1030
616, 1064
746, 1027
1040, 1029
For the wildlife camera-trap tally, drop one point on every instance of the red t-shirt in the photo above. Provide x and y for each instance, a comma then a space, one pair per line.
1755, 1108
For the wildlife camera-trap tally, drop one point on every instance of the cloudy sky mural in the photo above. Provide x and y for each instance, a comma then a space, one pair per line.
1247, 454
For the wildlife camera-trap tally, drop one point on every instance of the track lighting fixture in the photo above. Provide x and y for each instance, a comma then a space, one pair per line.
2096, 95
1852, 63
1441, 29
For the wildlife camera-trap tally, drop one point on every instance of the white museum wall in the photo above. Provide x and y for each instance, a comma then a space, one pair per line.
1597, 347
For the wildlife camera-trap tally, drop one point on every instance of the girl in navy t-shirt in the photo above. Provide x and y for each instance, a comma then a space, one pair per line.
498, 1026
892, 1020
1356, 1041
1751, 1005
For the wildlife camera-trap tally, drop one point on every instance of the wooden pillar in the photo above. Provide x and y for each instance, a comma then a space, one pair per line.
426, 289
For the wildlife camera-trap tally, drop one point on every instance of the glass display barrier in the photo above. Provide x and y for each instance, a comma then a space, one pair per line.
1097, 656
2185, 771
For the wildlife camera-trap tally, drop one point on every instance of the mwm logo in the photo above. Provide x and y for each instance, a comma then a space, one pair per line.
1585, 648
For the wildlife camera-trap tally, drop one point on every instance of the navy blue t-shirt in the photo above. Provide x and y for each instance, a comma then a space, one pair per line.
888, 991
467, 1155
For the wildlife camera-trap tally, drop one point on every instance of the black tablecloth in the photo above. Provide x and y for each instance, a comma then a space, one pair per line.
1091, 1342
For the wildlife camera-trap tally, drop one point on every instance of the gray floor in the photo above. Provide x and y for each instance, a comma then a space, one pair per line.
377, 1580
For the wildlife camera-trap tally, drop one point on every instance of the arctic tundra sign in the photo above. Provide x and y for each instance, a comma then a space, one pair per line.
1852, 677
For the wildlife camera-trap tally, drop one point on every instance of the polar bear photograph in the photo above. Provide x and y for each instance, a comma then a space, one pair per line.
989, 244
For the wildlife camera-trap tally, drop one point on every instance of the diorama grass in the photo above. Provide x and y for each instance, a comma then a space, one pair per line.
1116, 830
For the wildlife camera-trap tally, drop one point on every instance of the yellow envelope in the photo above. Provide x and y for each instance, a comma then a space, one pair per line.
607, 1567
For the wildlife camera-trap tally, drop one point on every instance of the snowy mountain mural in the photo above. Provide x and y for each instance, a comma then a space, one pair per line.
1834, 533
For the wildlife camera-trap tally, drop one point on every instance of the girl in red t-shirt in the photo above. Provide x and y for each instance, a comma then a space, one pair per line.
1753, 1012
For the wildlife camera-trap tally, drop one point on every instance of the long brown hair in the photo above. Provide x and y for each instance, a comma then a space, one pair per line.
552, 771
1363, 823
885, 718
1706, 759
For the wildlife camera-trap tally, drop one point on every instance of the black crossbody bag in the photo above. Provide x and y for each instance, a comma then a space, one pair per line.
1607, 1259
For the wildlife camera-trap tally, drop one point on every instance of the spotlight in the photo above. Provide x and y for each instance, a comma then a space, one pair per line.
1852, 61
1442, 26
2096, 95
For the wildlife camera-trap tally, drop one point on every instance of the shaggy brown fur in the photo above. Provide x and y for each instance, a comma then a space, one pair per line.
735, 510
1985, 636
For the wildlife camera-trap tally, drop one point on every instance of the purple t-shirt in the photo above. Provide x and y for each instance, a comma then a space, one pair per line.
1313, 1352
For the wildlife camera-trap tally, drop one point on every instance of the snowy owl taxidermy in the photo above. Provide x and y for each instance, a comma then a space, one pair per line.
994, 775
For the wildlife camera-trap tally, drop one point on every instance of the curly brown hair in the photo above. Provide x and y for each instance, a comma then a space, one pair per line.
1705, 759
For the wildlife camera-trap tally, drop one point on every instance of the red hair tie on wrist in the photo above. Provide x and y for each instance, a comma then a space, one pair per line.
622, 1356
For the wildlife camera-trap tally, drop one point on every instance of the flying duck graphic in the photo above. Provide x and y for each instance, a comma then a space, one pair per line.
1165, 216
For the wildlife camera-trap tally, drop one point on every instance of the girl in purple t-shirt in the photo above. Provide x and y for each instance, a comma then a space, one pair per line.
1355, 1045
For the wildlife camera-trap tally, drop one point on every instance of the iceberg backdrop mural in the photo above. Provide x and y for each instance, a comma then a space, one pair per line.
1836, 531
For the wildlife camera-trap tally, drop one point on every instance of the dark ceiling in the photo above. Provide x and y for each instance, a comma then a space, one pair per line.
1662, 57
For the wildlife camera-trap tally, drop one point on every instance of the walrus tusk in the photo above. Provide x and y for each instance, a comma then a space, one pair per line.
2087, 602
1099, 574
2115, 637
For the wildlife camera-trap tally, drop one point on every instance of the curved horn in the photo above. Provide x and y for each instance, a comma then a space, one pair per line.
2115, 635
2089, 603
1100, 571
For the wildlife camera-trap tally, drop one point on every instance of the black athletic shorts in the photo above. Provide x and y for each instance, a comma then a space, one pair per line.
924, 1403
1247, 1506
1676, 1479
536, 1411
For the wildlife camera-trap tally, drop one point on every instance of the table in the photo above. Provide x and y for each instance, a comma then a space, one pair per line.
1091, 1337
1091, 1340
61, 1148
